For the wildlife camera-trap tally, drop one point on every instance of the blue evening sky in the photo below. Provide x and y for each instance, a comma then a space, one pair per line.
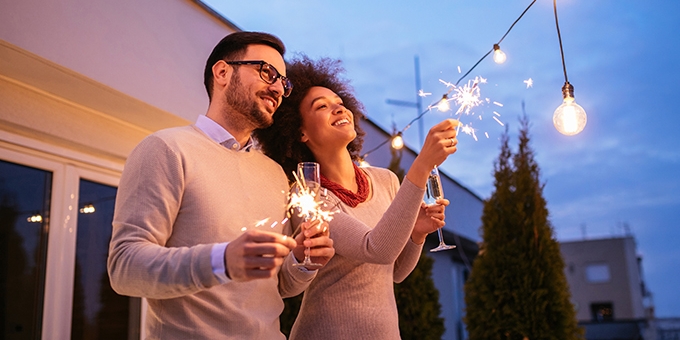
621, 174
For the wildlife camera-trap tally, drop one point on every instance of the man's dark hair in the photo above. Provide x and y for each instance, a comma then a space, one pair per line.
233, 47
281, 141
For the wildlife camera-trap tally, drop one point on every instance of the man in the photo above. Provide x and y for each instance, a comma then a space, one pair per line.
199, 214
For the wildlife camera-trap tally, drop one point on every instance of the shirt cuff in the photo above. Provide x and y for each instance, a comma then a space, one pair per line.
217, 262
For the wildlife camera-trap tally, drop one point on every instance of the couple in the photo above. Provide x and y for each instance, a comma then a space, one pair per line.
184, 228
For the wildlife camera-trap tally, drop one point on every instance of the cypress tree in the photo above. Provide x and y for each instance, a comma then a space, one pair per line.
418, 304
517, 288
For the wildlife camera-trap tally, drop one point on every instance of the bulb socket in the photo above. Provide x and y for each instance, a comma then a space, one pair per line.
567, 90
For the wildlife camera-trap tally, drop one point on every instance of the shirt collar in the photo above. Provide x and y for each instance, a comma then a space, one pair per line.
220, 135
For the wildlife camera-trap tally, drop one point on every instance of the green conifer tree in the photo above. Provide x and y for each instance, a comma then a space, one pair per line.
418, 304
517, 288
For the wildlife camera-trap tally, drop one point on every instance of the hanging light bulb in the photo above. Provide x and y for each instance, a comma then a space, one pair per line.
363, 163
569, 118
397, 142
498, 55
443, 104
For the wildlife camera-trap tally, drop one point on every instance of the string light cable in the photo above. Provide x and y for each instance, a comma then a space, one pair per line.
445, 98
569, 118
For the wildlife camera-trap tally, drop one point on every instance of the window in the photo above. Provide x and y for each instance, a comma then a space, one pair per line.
597, 273
24, 216
98, 312
55, 227
602, 311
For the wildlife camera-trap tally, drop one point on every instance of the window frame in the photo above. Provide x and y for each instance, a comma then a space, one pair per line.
67, 167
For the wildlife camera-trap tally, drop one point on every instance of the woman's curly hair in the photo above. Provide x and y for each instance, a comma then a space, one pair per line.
281, 141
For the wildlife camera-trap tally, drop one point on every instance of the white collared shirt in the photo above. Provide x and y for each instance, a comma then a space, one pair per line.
219, 134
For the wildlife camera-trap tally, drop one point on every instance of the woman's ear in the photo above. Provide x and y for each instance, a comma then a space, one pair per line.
304, 138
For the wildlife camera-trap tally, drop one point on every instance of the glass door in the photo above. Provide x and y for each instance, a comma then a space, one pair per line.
55, 229
24, 218
98, 311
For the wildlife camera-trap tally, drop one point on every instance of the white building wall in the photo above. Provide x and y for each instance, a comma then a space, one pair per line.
151, 50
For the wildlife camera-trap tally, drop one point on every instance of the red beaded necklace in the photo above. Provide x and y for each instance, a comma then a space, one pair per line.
347, 196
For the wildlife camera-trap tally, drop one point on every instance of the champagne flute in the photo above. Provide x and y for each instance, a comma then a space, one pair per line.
434, 192
310, 176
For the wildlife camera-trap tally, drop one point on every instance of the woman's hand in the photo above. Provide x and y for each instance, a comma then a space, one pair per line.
430, 218
316, 236
441, 141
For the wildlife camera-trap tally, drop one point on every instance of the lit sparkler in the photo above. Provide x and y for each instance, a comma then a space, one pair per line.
304, 201
466, 97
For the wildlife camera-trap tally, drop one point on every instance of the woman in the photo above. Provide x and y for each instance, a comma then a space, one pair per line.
379, 231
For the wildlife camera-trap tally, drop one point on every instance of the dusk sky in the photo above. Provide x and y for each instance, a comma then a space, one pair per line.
620, 175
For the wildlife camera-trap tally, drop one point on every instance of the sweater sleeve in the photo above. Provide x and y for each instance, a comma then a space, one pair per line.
147, 203
383, 243
293, 280
407, 260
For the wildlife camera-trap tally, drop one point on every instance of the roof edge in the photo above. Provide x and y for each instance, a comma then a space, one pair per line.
217, 15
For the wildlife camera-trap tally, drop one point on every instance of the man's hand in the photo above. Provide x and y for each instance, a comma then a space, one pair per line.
316, 236
256, 254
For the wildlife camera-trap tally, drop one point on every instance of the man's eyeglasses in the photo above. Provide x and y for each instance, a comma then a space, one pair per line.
268, 73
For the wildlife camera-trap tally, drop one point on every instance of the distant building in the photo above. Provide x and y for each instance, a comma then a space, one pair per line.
607, 288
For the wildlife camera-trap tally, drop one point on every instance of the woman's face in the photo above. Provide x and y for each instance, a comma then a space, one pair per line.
326, 123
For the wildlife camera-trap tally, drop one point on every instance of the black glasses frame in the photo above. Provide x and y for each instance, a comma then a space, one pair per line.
266, 74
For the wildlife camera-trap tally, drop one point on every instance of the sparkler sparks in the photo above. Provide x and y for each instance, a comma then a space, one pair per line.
261, 223
304, 200
466, 97
529, 82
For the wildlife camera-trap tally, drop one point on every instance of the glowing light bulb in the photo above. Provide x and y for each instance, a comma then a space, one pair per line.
498, 55
87, 209
443, 104
37, 218
569, 118
397, 142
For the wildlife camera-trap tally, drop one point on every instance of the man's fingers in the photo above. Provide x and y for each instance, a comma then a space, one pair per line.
262, 262
266, 249
261, 236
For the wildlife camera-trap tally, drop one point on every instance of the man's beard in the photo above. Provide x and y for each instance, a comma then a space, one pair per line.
246, 104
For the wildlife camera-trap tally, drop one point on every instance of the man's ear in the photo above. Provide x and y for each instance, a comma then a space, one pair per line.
222, 73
